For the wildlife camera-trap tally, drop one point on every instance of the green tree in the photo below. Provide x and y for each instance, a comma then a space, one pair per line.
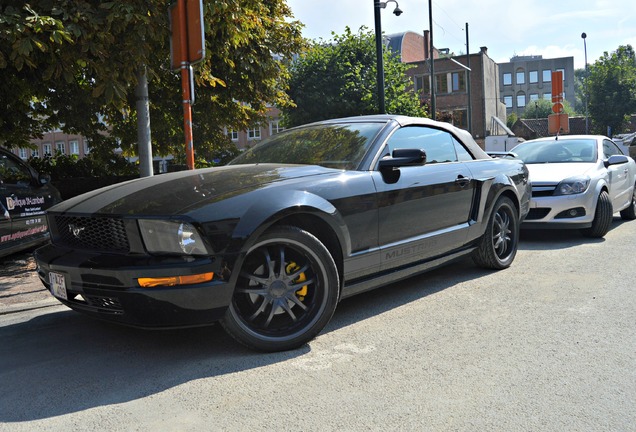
511, 119
74, 64
542, 108
579, 91
337, 78
612, 89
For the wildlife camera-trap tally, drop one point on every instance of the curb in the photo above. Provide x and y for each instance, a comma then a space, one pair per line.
21, 307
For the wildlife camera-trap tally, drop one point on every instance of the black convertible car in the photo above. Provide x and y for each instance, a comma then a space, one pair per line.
269, 244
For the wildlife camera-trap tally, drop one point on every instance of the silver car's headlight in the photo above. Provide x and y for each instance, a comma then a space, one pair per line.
573, 185
174, 237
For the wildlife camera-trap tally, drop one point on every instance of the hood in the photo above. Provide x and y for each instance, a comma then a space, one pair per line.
175, 193
555, 172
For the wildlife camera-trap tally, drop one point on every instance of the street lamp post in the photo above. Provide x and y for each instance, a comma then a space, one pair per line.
377, 5
584, 36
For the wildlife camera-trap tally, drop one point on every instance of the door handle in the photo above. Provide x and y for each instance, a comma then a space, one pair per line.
462, 181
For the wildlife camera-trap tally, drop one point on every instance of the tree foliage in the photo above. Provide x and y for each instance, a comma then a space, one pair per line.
337, 78
74, 64
542, 108
611, 85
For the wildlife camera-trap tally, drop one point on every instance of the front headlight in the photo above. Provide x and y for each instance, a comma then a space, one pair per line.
173, 237
571, 186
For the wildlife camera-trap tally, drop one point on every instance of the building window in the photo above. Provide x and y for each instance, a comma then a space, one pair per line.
275, 127
521, 77
422, 84
254, 133
87, 149
562, 72
547, 75
534, 96
547, 96
460, 119
533, 77
35, 153
60, 147
22, 153
233, 135
46, 148
508, 101
73, 147
521, 100
441, 83
458, 80
507, 78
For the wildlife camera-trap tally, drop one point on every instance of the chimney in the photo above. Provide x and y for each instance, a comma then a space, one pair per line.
484, 50
427, 44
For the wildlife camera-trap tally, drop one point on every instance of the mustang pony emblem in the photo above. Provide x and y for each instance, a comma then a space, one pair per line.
75, 230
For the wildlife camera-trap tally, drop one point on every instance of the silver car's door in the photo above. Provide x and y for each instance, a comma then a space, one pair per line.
619, 178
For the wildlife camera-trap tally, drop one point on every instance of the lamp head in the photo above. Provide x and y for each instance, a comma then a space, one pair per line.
583, 35
397, 11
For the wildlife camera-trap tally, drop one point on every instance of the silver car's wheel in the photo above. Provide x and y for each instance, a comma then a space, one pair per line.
286, 292
630, 212
602, 217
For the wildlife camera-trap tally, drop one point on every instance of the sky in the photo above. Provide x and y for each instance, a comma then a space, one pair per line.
551, 28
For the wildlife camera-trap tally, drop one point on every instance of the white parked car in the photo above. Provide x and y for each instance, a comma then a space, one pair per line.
578, 181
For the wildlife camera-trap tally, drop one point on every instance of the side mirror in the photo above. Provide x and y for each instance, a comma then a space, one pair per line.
404, 157
44, 179
615, 160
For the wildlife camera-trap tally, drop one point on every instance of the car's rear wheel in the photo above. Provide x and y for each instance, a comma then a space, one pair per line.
498, 246
629, 213
286, 292
602, 217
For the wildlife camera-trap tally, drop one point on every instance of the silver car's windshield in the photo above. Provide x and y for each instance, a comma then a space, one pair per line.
557, 151
340, 146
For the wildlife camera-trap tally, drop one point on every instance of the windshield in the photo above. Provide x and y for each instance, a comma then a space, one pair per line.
340, 146
557, 151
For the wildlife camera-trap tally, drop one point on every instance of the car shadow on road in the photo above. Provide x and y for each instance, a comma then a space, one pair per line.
93, 363
538, 239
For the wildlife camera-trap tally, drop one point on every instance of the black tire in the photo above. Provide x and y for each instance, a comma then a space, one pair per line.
629, 213
602, 217
498, 246
286, 292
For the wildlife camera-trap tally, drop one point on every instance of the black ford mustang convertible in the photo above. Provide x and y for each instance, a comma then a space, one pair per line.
269, 244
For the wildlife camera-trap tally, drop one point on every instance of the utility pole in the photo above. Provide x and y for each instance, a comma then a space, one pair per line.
144, 144
430, 27
470, 103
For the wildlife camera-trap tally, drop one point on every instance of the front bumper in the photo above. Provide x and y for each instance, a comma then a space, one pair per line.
105, 287
564, 212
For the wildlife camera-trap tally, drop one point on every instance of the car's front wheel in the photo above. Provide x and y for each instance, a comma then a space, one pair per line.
287, 291
602, 217
498, 246
629, 213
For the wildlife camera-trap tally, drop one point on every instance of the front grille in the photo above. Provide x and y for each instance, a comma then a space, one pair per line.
537, 213
108, 303
95, 233
543, 192
543, 189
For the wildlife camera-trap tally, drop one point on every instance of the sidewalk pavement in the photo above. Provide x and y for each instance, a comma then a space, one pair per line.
20, 286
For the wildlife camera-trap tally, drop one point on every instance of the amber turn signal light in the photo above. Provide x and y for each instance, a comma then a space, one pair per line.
175, 280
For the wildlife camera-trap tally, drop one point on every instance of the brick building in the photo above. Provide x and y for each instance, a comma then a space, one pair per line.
451, 83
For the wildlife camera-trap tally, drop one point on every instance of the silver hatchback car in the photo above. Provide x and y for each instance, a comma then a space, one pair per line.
578, 181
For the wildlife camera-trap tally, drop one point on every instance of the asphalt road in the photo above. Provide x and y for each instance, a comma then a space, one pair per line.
547, 345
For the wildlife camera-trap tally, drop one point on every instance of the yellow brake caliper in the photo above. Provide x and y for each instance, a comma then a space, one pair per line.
291, 268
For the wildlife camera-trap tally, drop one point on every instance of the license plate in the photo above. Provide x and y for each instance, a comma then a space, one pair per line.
58, 285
